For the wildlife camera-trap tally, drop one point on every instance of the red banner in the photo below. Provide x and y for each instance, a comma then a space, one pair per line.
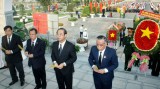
112, 35
40, 22
149, 14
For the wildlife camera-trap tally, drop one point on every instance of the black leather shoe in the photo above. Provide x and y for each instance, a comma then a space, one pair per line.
4, 67
37, 87
43, 88
13, 82
22, 83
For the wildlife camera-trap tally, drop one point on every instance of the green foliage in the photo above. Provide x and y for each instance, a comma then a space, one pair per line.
72, 19
94, 10
98, 10
77, 48
77, 2
84, 15
45, 4
55, 12
70, 7
86, 10
21, 31
21, 9
46, 41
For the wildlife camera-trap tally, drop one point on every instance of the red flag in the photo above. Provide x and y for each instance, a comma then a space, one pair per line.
112, 35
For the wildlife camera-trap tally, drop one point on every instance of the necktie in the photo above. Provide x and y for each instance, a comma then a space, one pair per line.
100, 56
32, 45
60, 49
9, 40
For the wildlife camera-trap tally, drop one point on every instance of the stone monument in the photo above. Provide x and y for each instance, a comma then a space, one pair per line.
6, 14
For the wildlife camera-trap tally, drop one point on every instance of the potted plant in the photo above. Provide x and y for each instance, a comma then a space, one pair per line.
98, 11
82, 43
84, 16
92, 14
72, 19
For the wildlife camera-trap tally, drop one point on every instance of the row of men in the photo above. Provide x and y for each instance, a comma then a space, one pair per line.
102, 59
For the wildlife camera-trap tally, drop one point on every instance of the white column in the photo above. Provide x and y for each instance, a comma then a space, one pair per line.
6, 14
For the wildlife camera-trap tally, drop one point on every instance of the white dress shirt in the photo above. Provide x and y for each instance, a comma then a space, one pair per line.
9, 38
34, 41
102, 56
62, 44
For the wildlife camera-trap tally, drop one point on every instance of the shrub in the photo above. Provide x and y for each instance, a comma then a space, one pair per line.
70, 7
72, 19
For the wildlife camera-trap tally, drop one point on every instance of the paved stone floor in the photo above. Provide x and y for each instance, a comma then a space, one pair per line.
83, 73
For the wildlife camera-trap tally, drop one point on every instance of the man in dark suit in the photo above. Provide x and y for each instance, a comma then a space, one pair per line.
35, 50
103, 61
122, 35
13, 55
63, 56
156, 64
128, 49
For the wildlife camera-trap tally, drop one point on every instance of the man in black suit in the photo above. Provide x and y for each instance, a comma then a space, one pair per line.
103, 61
63, 56
35, 50
13, 55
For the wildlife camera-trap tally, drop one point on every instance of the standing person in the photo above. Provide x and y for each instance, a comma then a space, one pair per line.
81, 31
63, 56
13, 55
122, 35
35, 51
103, 11
156, 64
85, 34
128, 49
103, 61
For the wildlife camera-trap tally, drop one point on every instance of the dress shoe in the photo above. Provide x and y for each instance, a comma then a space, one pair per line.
22, 83
4, 67
13, 82
37, 87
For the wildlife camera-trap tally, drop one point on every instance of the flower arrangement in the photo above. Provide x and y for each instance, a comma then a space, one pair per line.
146, 31
135, 57
144, 63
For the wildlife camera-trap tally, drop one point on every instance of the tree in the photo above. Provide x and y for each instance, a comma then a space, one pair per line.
21, 9
45, 4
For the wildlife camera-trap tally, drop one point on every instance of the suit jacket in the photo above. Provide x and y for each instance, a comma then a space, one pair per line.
16, 56
128, 47
109, 61
68, 55
38, 52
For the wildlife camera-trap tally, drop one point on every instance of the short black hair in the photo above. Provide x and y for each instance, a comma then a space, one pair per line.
101, 37
64, 30
6, 27
33, 29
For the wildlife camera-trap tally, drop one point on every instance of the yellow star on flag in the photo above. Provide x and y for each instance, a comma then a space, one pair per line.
112, 35
146, 32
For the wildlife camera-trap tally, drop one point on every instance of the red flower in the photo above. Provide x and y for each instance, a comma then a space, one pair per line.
146, 35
